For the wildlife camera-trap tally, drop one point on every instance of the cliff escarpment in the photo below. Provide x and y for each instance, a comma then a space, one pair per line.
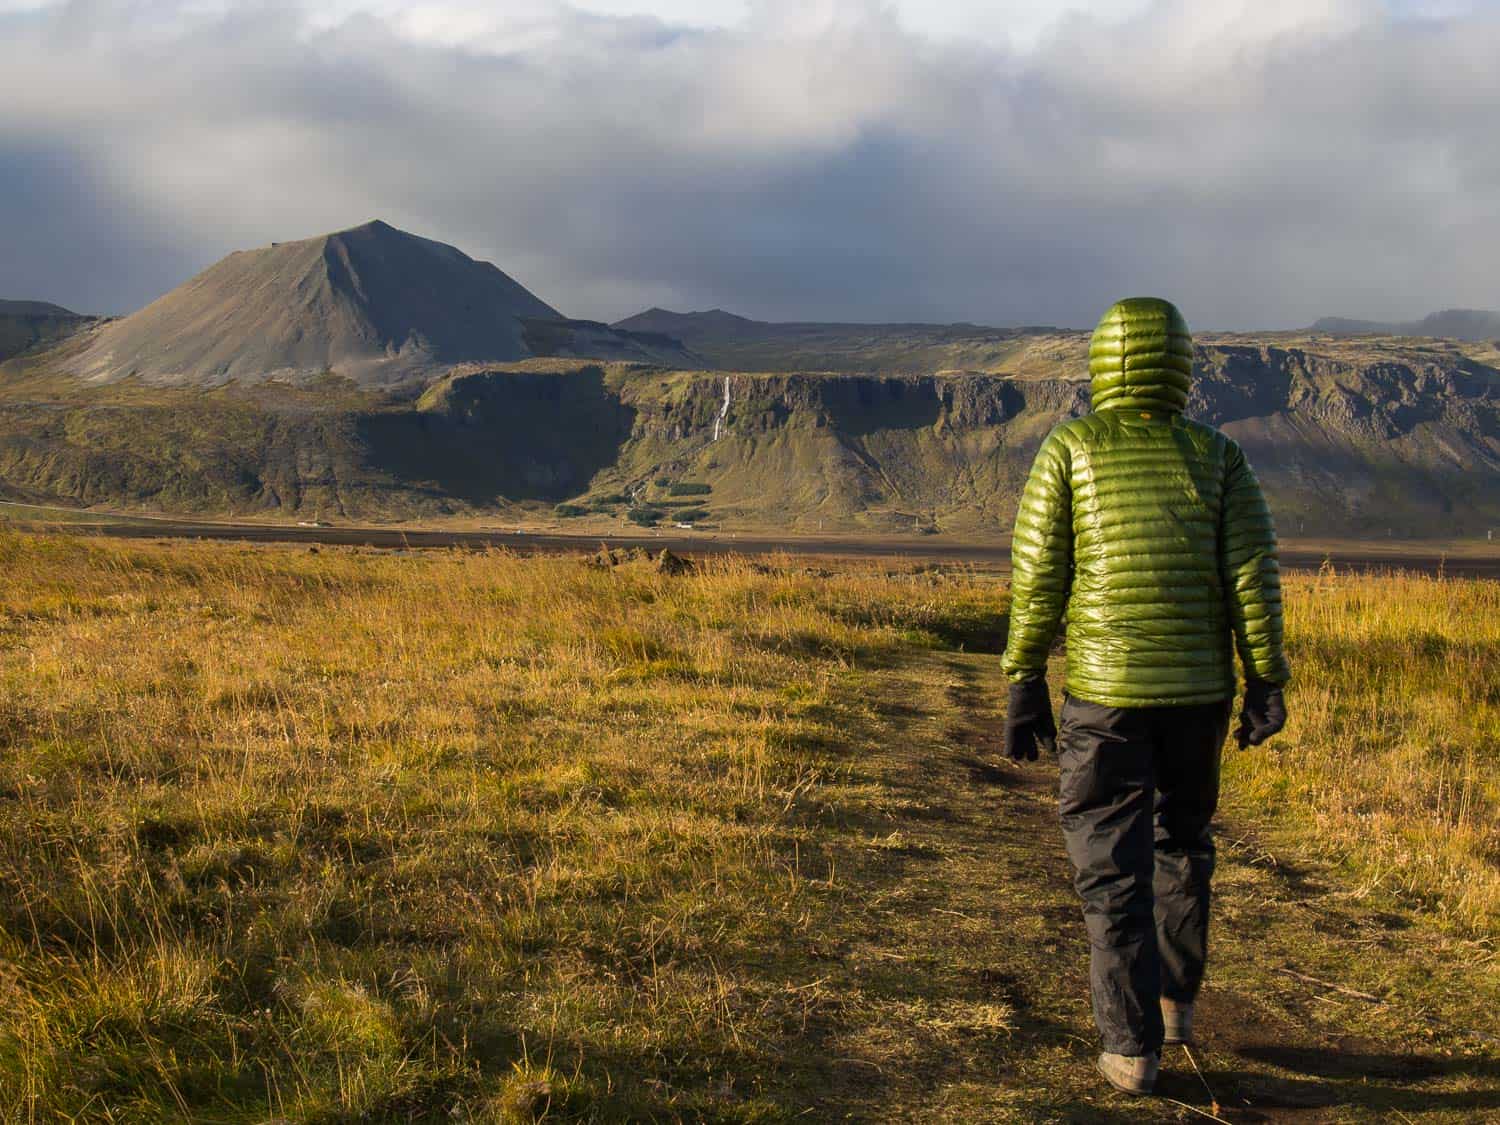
1347, 440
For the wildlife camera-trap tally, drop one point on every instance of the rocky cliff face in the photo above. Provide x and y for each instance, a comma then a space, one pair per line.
1398, 440
1407, 444
1346, 440
851, 404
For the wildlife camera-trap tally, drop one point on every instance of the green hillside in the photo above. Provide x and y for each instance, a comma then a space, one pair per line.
1383, 437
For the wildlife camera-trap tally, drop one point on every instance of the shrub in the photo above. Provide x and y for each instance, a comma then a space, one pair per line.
690, 488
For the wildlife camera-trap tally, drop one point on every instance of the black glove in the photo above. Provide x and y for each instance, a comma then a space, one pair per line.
1262, 714
1028, 719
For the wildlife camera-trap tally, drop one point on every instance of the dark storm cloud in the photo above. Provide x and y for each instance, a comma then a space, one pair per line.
72, 238
1264, 162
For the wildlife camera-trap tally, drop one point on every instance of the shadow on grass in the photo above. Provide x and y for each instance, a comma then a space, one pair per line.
987, 773
1340, 1082
978, 628
1334, 1078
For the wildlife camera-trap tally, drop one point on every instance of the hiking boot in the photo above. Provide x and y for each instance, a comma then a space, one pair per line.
1177, 1022
1130, 1074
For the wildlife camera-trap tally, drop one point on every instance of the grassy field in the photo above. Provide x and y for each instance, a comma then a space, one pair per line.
349, 836
1391, 763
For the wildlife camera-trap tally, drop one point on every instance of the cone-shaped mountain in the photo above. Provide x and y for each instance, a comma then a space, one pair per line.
373, 303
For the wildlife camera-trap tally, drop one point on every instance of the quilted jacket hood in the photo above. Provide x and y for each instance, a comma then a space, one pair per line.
1141, 357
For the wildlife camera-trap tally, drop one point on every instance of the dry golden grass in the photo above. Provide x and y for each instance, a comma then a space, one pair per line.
1391, 758
348, 836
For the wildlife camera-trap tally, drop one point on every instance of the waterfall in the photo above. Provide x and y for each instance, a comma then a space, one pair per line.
723, 412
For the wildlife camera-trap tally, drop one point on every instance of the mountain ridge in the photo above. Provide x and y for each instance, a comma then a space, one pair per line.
1448, 324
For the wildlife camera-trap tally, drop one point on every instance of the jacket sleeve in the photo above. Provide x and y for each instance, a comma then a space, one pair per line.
1251, 572
1041, 560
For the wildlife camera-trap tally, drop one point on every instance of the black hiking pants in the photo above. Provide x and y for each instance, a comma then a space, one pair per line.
1138, 788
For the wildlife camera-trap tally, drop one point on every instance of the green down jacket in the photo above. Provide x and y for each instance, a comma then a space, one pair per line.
1149, 531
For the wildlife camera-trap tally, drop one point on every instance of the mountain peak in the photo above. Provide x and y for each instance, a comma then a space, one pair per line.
372, 302
375, 229
657, 319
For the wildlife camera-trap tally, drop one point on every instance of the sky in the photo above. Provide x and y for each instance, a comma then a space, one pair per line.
1261, 162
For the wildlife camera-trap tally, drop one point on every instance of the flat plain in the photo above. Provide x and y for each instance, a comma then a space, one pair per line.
338, 834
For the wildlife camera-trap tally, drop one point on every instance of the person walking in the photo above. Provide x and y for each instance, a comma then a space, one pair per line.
1150, 533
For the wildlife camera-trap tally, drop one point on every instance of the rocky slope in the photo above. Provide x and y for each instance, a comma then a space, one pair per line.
1386, 440
1406, 445
1369, 439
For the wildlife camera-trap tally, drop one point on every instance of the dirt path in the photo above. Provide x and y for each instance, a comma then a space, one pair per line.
952, 983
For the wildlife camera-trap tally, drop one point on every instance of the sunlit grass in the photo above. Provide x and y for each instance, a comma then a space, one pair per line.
338, 834
346, 835
1391, 758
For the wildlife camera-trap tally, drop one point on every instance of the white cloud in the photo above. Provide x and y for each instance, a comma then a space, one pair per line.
1263, 160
